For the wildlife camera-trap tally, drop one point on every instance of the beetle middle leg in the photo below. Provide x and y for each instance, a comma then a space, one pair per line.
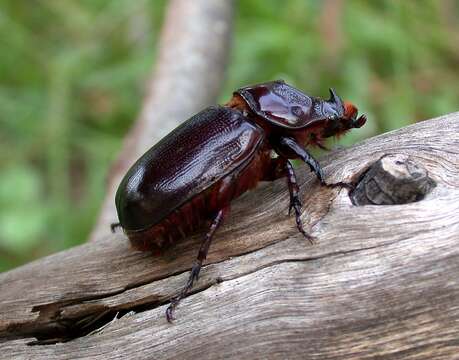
281, 167
196, 268
295, 202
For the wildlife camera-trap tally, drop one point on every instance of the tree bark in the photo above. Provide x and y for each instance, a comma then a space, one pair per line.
381, 280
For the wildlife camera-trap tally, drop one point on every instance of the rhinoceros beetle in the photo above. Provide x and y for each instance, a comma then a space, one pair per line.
190, 177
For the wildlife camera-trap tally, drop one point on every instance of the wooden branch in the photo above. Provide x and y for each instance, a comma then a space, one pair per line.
381, 280
189, 71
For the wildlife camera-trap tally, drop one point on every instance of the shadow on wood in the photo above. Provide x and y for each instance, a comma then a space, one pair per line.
381, 280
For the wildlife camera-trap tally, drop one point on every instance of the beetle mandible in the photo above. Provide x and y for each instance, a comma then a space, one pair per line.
191, 176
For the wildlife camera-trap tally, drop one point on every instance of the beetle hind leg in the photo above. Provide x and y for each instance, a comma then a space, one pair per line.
196, 268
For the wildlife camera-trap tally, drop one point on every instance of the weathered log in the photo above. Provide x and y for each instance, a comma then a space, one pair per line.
381, 280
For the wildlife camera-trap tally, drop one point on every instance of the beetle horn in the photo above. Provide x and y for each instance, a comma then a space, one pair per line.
335, 99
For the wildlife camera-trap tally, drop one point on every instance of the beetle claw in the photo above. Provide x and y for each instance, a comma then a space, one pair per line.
308, 237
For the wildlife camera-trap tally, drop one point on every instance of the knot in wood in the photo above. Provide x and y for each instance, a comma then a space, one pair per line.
393, 179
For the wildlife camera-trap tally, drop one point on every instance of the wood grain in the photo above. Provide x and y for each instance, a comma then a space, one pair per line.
382, 281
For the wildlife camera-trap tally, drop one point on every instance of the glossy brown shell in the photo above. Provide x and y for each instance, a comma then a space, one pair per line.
287, 107
196, 212
193, 157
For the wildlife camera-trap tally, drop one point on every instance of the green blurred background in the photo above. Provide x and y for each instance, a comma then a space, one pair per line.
72, 75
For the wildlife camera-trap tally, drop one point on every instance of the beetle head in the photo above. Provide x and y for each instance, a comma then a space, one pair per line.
340, 116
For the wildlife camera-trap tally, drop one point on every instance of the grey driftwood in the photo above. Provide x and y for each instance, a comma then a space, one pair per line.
380, 280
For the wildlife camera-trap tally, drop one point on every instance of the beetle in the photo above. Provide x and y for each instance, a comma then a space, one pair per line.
190, 177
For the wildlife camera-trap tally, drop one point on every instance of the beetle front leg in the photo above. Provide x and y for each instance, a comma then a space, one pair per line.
196, 268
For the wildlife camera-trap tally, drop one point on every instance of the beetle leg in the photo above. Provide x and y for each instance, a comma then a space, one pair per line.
295, 202
314, 165
196, 268
281, 167
304, 155
114, 226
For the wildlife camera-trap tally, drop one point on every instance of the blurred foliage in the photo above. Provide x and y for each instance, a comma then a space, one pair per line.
72, 75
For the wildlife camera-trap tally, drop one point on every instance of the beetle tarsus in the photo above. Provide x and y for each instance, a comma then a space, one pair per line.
194, 276
299, 224
196, 268
295, 202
